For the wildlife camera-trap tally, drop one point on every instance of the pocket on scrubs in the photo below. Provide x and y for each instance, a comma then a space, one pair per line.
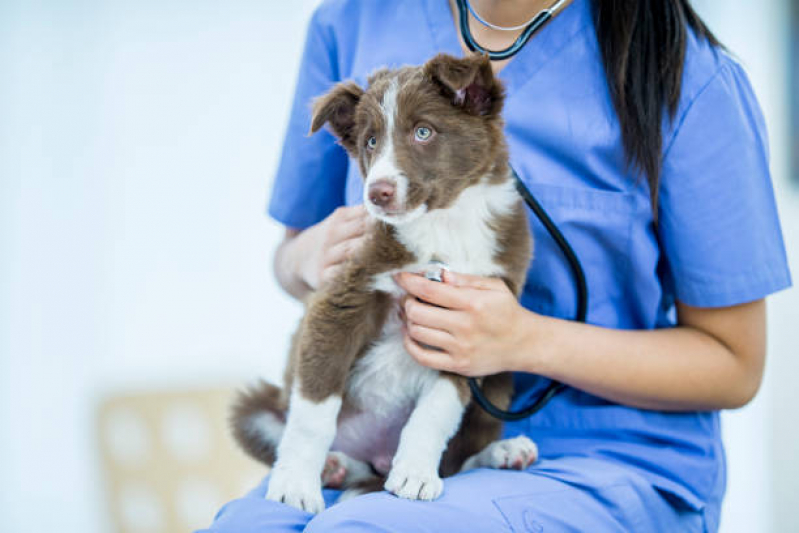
597, 223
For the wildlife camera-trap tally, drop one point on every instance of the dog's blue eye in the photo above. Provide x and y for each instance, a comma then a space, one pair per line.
371, 142
422, 133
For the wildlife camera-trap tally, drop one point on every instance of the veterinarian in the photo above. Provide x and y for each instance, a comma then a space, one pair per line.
643, 140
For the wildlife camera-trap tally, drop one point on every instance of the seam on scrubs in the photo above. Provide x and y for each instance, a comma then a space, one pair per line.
684, 115
327, 34
703, 290
571, 208
573, 197
519, 510
555, 53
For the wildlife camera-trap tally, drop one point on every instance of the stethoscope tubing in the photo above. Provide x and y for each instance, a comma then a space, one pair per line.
578, 273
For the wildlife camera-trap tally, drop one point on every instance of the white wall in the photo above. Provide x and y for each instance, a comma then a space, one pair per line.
137, 141
136, 145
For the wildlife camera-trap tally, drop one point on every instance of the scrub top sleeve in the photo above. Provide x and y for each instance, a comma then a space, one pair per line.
718, 224
311, 177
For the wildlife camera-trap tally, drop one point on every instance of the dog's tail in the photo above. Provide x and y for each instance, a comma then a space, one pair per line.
257, 420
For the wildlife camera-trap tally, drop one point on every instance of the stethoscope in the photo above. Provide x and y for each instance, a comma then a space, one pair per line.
530, 28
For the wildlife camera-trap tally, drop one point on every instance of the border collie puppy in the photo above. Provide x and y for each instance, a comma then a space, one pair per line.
429, 142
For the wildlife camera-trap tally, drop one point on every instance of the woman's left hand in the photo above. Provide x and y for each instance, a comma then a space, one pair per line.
476, 323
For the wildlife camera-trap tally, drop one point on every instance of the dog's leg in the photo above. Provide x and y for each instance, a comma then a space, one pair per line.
342, 471
309, 432
478, 429
338, 324
516, 454
433, 422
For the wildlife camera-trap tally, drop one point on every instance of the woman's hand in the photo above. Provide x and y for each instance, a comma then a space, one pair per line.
474, 323
329, 243
307, 259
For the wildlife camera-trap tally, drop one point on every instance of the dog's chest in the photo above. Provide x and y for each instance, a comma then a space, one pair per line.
381, 392
387, 378
464, 236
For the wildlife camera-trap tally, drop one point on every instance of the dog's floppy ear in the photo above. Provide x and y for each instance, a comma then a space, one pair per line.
468, 82
338, 109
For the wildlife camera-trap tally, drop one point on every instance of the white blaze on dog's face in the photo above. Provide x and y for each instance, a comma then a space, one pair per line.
420, 134
385, 192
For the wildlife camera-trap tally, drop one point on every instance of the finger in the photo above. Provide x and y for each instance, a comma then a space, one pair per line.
341, 251
431, 337
426, 357
329, 273
433, 292
473, 282
353, 212
347, 229
431, 316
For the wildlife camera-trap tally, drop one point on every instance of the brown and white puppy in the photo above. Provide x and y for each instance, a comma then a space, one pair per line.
430, 144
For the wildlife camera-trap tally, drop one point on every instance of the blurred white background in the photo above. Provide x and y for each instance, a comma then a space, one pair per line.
137, 141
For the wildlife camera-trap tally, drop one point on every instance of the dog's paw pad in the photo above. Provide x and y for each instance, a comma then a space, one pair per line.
335, 471
414, 484
515, 454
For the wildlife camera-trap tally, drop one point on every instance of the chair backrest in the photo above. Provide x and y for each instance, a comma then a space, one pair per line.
169, 461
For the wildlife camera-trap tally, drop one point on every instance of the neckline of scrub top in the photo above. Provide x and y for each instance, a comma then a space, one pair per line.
541, 48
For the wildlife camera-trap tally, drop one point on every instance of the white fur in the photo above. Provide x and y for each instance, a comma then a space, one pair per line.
266, 427
310, 429
385, 166
434, 421
460, 236
386, 378
382, 390
389, 104
504, 454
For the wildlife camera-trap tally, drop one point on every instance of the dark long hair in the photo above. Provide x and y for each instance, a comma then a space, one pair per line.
643, 50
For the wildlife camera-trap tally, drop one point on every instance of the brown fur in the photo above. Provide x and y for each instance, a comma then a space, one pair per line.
345, 316
515, 248
430, 92
461, 100
261, 398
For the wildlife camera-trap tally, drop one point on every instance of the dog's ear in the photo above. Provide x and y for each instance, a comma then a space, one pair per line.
337, 108
469, 83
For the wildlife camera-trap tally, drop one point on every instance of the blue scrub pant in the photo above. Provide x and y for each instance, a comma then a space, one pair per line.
574, 494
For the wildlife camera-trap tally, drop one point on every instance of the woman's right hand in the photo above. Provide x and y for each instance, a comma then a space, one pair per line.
330, 242
314, 256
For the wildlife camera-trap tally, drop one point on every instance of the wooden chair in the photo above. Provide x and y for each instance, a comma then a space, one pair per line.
169, 461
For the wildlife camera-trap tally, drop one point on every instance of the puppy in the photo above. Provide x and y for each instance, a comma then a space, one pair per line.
429, 142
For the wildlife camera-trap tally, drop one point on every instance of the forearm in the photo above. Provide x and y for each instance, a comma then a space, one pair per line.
287, 266
713, 359
680, 368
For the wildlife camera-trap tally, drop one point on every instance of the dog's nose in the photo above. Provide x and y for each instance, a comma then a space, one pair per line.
381, 193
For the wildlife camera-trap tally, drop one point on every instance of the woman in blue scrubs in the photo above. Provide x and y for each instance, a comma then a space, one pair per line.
645, 143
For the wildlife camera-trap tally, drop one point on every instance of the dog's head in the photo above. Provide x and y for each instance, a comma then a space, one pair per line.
421, 135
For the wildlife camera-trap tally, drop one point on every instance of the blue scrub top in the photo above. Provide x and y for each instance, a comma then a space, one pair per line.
717, 242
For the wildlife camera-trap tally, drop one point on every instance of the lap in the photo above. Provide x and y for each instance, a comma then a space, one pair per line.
557, 495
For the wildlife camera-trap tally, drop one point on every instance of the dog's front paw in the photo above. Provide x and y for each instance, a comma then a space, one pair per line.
300, 491
414, 483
